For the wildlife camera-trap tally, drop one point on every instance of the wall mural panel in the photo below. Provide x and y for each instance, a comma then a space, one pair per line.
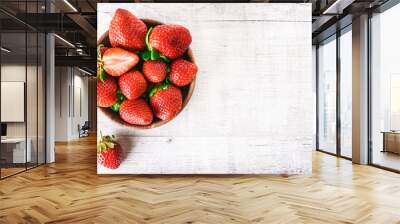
227, 89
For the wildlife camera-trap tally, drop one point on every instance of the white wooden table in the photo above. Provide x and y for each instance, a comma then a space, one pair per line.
252, 108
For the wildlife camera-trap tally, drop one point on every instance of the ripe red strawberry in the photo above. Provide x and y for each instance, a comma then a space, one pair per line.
127, 31
182, 72
106, 92
136, 112
108, 152
132, 84
171, 40
166, 101
155, 70
117, 61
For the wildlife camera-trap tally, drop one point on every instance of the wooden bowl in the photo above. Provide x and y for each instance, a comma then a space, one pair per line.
187, 91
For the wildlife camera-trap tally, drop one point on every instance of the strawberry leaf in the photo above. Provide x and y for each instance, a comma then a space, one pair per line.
115, 107
165, 59
101, 74
154, 55
99, 51
153, 92
168, 69
106, 142
160, 86
145, 55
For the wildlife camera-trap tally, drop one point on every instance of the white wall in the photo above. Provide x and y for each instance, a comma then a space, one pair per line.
67, 117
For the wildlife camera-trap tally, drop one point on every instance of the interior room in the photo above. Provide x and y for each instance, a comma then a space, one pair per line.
52, 126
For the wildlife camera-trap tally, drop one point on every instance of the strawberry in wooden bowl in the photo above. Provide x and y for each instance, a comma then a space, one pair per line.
146, 71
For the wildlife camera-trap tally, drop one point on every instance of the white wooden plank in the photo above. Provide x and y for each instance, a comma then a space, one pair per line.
254, 85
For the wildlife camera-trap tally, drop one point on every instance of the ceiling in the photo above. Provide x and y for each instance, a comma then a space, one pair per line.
75, 20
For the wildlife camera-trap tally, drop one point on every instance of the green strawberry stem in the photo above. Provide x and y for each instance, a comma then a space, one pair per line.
149, 53
99, 51
106, 142
101, 74
121, 98
147, 39
161, 86
165, 59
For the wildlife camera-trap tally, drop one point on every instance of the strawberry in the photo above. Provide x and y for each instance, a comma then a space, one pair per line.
171, 40
182, 72
132, 84
106, 92
108, 152
155, 70
127, 31
117, 61
166, 101
136, 112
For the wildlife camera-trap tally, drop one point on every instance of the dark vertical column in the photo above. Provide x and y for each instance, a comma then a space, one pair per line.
26, 87
338, 91
1, 164
317, 95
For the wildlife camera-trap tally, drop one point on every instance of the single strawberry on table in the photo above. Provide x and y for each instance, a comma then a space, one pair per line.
182, 72
136, 112
170, 40
106, 91
132, 84
127, 31
108, 152
166, 101
155, 70
117, 61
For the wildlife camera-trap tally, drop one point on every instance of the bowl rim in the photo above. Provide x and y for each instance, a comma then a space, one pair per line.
114, 116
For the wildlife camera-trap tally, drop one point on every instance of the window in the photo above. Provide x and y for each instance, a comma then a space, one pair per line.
327, 95
22, 76
385, 89
346, 92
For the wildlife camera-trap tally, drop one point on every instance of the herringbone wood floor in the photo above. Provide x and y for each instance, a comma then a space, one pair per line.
69, 191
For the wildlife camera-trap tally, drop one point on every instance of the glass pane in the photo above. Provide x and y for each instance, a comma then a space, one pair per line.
31, 88
327, 96
386, 89
346, 93
41, 98
31, 100
13, 76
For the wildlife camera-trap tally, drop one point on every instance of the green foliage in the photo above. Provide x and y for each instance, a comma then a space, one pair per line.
106, 142
149, 53
115, 107
161, 86
101, 74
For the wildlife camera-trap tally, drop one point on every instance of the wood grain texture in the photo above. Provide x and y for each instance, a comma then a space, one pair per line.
70, 191
251, 110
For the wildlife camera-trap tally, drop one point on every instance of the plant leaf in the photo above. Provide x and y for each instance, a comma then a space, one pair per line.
101, 74
115, 106
145, 55
154, 55
99, 51
165, 59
